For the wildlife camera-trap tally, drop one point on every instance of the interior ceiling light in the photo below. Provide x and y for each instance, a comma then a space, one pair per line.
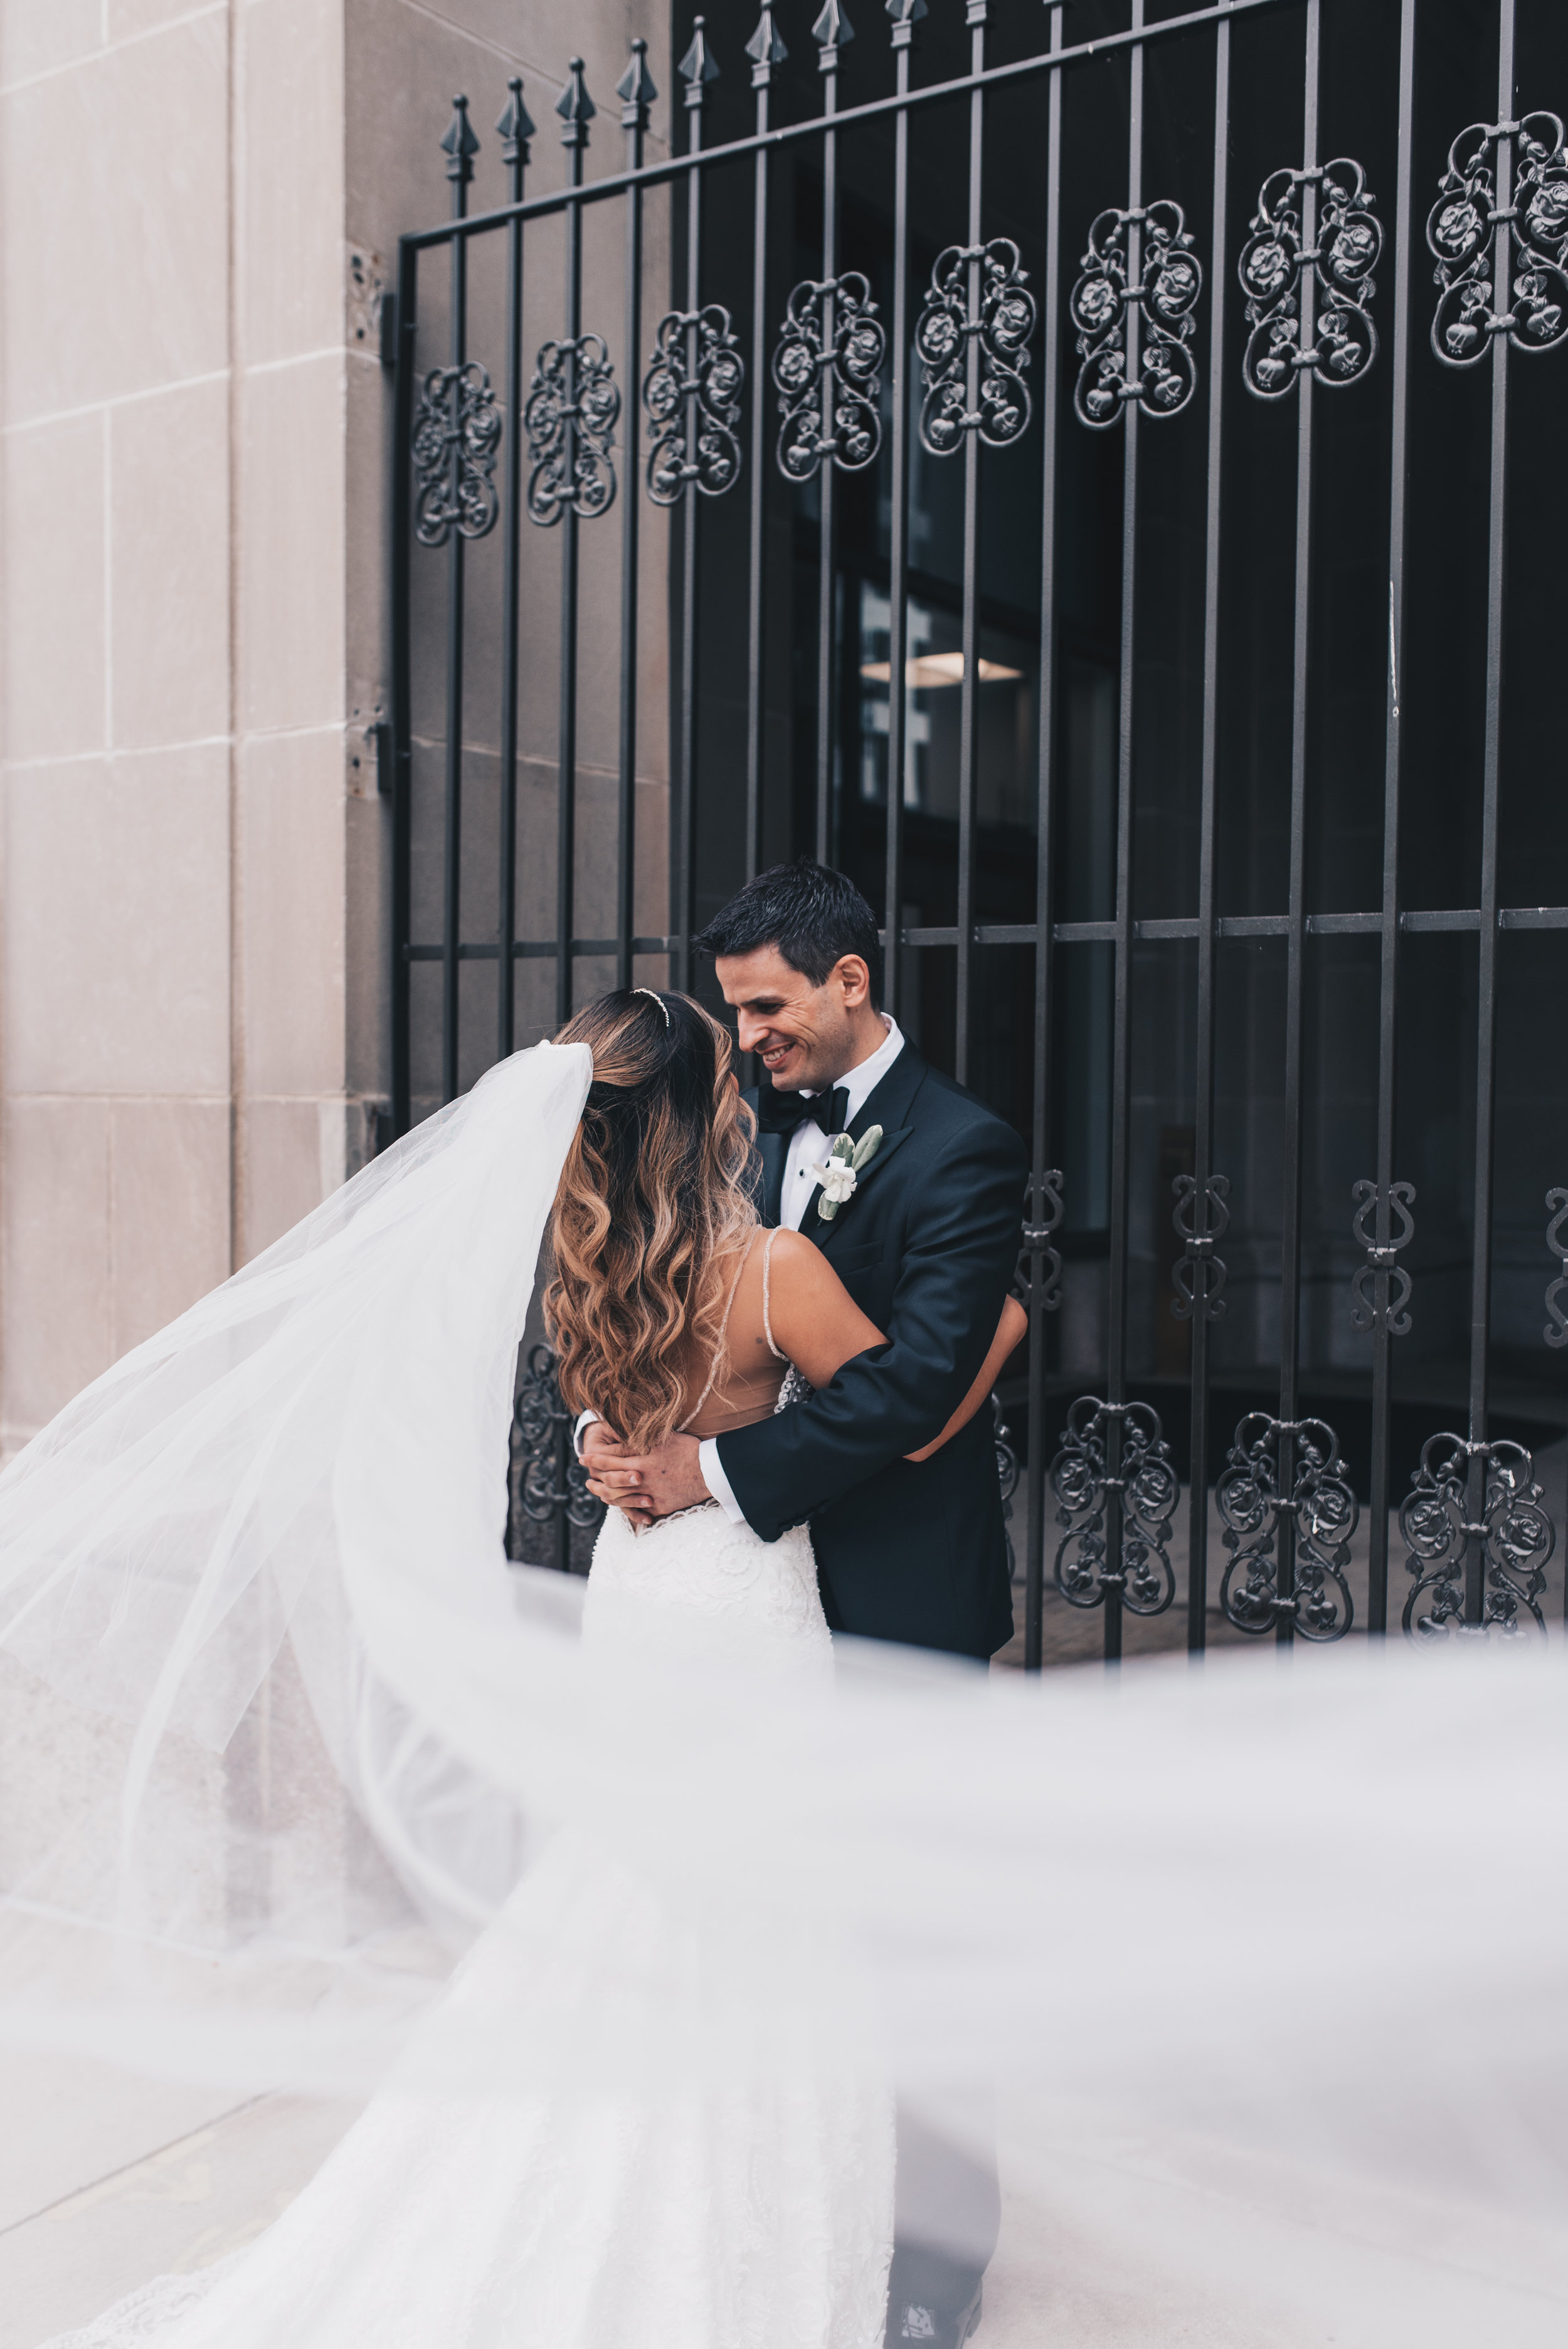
937, 669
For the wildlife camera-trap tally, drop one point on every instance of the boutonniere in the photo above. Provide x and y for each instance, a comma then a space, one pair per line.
841, 1172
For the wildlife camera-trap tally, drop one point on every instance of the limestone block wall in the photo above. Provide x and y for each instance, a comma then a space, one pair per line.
197, 201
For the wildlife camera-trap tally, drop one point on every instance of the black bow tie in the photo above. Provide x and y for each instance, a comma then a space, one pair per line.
781, 1112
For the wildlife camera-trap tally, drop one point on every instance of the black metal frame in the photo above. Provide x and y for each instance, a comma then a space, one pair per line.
1475, 1532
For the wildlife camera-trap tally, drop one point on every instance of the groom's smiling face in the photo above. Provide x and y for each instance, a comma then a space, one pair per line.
806, 1036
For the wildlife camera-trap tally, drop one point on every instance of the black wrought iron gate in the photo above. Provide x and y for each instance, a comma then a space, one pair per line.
1203, 846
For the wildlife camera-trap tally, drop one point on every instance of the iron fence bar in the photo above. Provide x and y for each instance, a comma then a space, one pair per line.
1158, 932
1296, 936
405, 328
1043, 1264
698, 69
904, 13
1121, 1013
1205, 1304
1486, 1004
460, 147
831, 31
870, 110
516, 130
636, 92
766, 50
1388, 943
575, 109
969, 684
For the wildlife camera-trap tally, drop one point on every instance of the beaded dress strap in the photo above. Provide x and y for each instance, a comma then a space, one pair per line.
777, 1351
724, 1325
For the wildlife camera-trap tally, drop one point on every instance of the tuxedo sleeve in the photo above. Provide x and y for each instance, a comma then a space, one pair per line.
959, 1249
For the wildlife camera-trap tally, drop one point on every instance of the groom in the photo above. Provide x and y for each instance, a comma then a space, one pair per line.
925, 1244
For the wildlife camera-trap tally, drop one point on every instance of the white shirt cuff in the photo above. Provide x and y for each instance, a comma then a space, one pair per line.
584, 1419
717, 1482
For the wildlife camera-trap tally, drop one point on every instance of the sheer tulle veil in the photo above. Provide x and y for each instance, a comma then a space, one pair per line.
1262, 1965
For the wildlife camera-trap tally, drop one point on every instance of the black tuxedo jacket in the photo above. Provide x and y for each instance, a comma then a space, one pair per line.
906, 1550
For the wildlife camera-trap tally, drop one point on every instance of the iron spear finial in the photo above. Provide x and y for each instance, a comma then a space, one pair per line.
575, 106
765, 49
698, 66
460, 146
831, 32
905, 14
636, 89
516, 126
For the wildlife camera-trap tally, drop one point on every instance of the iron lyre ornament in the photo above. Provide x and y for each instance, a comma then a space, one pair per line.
455, 437
1323, 1505
977, 293
1381, 1284
1532, 310
573, 401
1513, 1535
1146, 1486
1201, 1218
691, 391
573, 406
827, 366
1165, 285
1349, 242
1556, 1330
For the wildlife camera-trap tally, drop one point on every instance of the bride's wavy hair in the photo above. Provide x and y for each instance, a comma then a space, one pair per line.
653, 1193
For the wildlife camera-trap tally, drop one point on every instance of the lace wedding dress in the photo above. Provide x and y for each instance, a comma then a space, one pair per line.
749, 2209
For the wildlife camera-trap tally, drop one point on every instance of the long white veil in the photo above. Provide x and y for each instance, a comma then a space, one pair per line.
1265, 1955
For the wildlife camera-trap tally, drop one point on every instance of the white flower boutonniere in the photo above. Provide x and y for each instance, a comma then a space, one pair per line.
840, 1174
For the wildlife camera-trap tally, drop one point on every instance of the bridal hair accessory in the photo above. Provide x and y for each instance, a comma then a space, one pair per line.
840, 1177
659, 999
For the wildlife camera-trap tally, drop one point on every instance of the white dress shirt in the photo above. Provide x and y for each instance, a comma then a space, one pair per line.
808, 1148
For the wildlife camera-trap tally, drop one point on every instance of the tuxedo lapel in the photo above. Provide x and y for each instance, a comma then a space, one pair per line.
889, 1105
775, 1149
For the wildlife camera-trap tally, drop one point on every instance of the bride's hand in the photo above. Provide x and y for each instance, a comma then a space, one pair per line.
656, 1485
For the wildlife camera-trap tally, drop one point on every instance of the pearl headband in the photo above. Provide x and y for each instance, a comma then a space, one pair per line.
659, 999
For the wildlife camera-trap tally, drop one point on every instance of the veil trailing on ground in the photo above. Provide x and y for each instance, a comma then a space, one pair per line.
1264, 1965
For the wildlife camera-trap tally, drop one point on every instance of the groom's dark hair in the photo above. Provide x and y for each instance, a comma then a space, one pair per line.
811, 913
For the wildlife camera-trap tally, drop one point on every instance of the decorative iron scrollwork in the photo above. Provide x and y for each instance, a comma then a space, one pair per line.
1007, 1476
1515, 1538
1382, 1286
574, 405
1324, 1510
1037, 1259
541, 1449
1145, 1482
831, 332
1001, 323
1200, 1219
1350, 241
1170, 278
692, 402
457, 433
1556, 1330
1460, 233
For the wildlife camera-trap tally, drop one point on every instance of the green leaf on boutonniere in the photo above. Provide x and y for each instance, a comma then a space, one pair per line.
866, 1148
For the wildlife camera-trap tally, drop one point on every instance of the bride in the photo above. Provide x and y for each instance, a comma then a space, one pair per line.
749, 2207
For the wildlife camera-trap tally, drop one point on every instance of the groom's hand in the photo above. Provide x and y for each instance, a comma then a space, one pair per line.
648, 1484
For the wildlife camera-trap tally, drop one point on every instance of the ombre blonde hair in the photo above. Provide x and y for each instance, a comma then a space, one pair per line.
653, 1198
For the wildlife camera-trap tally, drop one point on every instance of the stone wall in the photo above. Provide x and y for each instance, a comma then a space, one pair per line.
199, 203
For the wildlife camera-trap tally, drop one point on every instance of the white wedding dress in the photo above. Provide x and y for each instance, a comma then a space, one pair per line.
743, 2214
